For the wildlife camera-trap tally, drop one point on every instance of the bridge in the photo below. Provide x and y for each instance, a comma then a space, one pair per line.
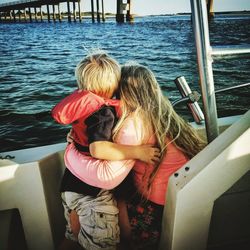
29, 10
21, 10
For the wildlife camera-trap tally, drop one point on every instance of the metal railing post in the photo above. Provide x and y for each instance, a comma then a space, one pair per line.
204, 57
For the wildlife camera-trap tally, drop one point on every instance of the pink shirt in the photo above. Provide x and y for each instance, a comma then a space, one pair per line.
109, 174
102, 173
173, 160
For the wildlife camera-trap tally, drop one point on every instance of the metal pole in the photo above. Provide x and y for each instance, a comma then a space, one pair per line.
59, 13
14, 15
128, 15
69, 13
25, 15
41, 14
203, 49
210, 11
92, 11
119, 11
103, 13
30, 14
54, 13
79, 10
74, 11
10, 15
19, 15
230, 50
48, 14
97, 11
35, 13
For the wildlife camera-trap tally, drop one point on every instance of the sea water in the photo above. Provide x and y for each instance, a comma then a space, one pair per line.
37, 63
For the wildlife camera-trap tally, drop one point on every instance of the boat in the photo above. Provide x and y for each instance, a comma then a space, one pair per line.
208, 198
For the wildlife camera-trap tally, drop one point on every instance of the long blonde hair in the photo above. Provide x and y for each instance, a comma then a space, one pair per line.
99, 73
140, 94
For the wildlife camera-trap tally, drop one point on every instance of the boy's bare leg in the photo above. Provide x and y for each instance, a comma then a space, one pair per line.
74, 223
124, 224
75, 227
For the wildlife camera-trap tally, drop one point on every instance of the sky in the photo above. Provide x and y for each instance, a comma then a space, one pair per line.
155, 7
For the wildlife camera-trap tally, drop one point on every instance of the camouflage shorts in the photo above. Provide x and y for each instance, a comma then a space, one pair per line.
98, 218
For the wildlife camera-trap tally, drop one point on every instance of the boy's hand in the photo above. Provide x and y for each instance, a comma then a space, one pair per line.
70, 138
148, 153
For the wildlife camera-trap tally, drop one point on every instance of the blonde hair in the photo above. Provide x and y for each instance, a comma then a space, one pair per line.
98, 73
141, 94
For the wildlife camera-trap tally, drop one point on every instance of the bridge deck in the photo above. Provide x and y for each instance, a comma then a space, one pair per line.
17, 5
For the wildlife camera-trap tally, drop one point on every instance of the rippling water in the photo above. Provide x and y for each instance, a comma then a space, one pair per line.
37, 62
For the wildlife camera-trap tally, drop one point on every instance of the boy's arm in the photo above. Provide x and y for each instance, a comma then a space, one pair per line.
114, 152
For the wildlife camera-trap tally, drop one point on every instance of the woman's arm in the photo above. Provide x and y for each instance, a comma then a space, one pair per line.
114, 152
97, 173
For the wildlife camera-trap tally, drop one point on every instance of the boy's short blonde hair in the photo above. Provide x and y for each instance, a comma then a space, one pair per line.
98, 73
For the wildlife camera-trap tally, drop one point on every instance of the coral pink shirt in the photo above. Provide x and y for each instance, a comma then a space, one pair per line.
172, 161
109, 174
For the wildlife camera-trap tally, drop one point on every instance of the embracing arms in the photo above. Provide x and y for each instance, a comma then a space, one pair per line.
116, 152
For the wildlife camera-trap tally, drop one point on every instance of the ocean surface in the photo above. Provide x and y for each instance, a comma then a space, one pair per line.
37, 62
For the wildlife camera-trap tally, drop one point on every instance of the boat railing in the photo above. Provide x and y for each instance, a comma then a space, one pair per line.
205, 54
191, 98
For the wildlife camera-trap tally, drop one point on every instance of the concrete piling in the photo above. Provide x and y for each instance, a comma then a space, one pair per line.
97, 11
121, 8
79, 10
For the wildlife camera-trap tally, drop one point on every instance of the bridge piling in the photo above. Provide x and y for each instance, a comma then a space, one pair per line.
25, 15
10, 15
14, 15
129, 17
69, 13
54, 14
121, 7
41, 14
92, 11
97, 11
59, 12
35, 14
210, 12
79, 10
103, 13
74, 11
48, 14
30, 17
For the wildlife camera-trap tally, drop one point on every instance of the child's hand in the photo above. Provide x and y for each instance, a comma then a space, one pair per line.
148, 153
70, 138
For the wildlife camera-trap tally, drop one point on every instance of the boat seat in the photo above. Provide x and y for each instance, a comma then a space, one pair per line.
30, 183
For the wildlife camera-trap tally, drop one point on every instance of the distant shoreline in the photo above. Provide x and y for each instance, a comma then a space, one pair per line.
244, 12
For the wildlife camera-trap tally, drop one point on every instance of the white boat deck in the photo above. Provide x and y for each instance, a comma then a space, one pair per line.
30, 183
